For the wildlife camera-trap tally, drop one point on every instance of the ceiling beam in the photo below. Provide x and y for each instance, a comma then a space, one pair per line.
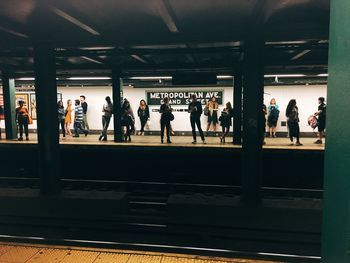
167, 14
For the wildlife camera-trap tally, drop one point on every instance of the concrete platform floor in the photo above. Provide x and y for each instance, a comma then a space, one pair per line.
178, 141
17, 253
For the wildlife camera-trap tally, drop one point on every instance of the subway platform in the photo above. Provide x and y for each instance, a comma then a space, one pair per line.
28, 253
279, 143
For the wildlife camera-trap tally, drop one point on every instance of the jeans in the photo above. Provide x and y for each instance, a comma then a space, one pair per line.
105, 123
85, 124
79, 128
143, 122
196, 121
165, 124
61, 122
23, 124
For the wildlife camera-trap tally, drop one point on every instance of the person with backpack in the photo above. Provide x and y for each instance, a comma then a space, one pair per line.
321, 121
107, 110
292, 114
226, 121
165, 119
195, 109
272, 119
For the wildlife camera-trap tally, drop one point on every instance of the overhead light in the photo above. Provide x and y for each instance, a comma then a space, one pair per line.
323, 75
165, 15
12, 32
152, 78
88, 78
74, 21
285, 76
138, 58
92, 60
97, 48
25, 79
224, 77
302, 53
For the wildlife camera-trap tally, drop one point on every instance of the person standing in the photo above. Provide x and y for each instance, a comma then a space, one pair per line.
78, 120
84, 105
292, 114
213, 107
22, 117
195, 109
128, 120
272, 119
321, 122
61, 114
165, 119
226, 121
106, 118
68, 118
143, 113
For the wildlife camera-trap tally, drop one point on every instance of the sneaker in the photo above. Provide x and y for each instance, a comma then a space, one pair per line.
27, 138
168, 141
318, 142
194, 142
298, 144
204, 142
20, 138
76, 136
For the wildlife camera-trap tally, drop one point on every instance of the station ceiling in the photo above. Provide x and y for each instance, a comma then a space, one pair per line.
164, 36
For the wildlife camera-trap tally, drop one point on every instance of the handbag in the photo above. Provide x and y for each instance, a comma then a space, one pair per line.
30, 119
171, 116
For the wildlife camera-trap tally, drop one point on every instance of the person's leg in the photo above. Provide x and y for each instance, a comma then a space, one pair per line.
20, 126
193, 126
298, 134
103, 133
168, 131
26, 130
76, 129
162, 127
227, 131
107, 122
143, 124
199, 126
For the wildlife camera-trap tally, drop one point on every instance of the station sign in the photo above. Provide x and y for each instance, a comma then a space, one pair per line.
181, 98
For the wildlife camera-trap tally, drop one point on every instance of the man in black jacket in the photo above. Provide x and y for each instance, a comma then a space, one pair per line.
195, 109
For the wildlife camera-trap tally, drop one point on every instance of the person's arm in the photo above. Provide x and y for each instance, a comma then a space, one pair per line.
200, 108
147, 112
161, 110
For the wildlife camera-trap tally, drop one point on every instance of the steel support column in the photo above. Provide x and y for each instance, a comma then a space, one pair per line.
336, 202
8, 88
117, 85
253, 90
237, 108
48, 137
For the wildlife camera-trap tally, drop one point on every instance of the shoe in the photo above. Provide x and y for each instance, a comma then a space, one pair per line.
223, 140
168, 141
86, 133
194, 142
129, 140
75, 136
27, 138
264, 143
161, 141
204, 142
220, 139
100, 138
274, 136
318, 142
20, 138
298, 144
104, 139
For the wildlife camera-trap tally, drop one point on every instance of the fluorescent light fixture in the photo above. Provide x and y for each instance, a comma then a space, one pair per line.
302, 53
25, 79
138, 58
285, 76
165, 15
97, 48
152, 78
224, 77
74, 21
12, 32
323, 75
91, 60
88, 78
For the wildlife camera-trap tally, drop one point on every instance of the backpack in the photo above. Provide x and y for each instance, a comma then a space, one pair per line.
274, 114
206, 111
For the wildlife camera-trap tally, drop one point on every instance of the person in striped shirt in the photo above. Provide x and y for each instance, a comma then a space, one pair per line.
78, 119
